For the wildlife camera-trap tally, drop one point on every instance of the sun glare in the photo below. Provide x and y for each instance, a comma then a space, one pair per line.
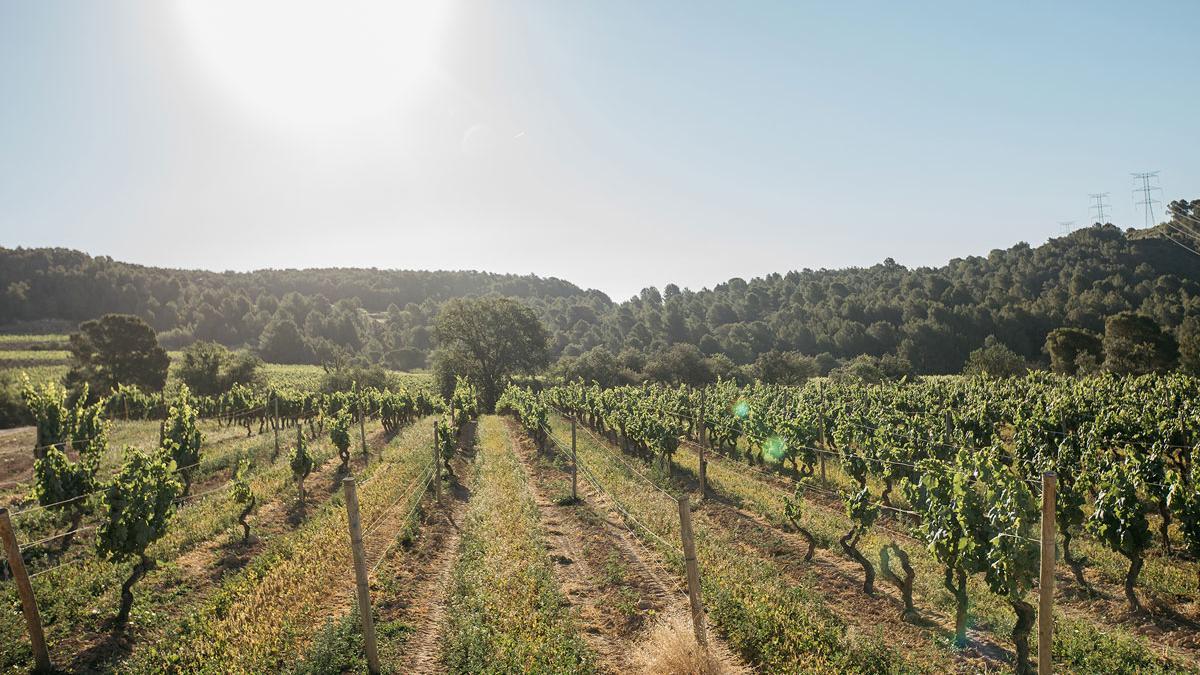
315, 67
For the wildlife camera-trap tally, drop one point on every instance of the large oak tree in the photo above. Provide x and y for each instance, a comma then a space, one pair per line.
487, 340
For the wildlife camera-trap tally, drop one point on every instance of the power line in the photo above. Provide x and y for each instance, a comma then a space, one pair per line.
1147, 190
1099, 206
1178, 243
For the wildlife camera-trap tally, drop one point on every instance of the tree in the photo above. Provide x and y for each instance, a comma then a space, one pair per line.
138, 505
596, 365
116, 349
1066, 345
487, 340
210, 369
776, 367
1135, 345
282, 342
995, 359
681, 363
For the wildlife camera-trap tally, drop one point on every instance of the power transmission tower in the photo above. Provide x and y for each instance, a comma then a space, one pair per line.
1099, 206
1067, 225
1147, 190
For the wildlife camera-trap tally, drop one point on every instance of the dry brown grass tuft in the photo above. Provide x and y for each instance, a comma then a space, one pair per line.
671, 649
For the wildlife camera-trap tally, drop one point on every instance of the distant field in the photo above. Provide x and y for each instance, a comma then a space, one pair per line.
27, 341
44, 359
43, 356
40, 356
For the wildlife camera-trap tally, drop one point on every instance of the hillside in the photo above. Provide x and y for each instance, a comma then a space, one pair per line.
932, 316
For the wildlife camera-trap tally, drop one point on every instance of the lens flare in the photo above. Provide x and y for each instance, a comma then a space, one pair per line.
741, 409
774, 448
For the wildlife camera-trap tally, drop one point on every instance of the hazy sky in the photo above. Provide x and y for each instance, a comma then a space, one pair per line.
613, 144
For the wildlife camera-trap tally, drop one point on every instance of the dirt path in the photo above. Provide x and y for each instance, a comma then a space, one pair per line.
619, 587
603, 624
427, 571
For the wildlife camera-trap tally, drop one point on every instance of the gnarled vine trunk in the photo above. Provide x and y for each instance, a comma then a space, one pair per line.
955, 581
143, 566
1020, 635
1076, 564
1135, 568
850, 546
886, 496
242, 519
808, 537
1164, 525
76, 519
905, 584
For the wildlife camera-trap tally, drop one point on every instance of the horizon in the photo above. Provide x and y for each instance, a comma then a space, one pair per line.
581, 142
705, 288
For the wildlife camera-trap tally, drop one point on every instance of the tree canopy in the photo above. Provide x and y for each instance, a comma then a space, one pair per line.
932, 317
488, 341
117, 349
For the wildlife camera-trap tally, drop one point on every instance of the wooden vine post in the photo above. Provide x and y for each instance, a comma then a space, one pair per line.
360, 577
574, 465
29, 608
1046, 581
362, 429
437, 467
276, 425
693, 569
700, 436
824, 440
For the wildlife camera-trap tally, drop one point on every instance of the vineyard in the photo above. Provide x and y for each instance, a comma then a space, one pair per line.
823, 528
932, 490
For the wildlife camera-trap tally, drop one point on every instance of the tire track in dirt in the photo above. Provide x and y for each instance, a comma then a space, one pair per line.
427, 570
661, 592
579, 581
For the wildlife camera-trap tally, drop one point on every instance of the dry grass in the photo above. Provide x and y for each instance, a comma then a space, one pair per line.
670, 648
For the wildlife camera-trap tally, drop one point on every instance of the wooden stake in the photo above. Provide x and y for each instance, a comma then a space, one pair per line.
574, 466
693, 568
33, 618
701, 436
824, 441
276, 425
360, 577
1046, 582
362, 430
437, 466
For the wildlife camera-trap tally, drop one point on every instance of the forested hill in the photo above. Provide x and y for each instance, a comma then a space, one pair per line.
932, 316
